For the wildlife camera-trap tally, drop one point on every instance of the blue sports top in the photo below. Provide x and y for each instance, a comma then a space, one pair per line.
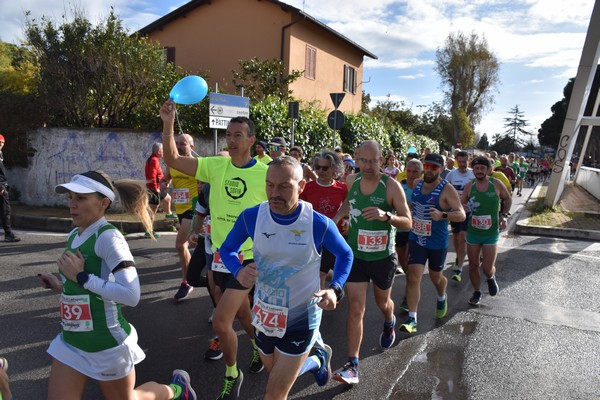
426, 232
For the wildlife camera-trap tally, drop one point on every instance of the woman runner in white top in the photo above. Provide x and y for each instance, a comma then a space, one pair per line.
97, 275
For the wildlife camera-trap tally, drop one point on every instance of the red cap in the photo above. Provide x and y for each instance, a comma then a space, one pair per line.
2, 138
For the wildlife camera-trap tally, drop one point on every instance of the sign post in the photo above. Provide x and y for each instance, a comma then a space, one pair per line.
336, 119
293, 109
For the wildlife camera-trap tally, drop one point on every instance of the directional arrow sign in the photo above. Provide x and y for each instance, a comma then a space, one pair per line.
228, 106
218, 122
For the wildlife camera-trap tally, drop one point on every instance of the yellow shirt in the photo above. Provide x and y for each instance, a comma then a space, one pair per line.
502, 178
185, 191
266, 159
232, 190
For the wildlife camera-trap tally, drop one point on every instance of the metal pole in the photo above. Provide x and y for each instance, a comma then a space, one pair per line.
292, 135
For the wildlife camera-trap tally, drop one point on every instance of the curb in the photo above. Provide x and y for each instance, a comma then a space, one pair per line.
522, 226
64, 225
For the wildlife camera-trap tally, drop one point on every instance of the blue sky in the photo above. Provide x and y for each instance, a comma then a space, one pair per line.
538, 42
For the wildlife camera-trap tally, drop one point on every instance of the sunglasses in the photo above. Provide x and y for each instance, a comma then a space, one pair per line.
349, 167
430, 167
323, 168
274, 148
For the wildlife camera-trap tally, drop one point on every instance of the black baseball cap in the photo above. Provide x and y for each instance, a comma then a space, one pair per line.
434, 159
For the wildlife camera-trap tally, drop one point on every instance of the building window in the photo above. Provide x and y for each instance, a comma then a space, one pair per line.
169, 54
310, 64
349, 79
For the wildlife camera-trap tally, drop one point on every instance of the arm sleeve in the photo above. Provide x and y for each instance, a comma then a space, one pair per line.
124, 290
112, 248
327, 235
242, 229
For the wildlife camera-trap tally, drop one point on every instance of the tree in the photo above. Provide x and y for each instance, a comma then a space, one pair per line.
263, 78
515, 126
92, 76
551, 129
469, 74
483, 144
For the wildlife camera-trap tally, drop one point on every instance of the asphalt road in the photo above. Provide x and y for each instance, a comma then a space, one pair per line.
538, 339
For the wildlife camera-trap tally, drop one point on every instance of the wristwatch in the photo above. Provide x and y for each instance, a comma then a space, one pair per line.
444, 215
388, 214
339, 292
82, 278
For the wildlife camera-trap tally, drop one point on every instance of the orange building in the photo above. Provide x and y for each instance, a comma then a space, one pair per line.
214, 35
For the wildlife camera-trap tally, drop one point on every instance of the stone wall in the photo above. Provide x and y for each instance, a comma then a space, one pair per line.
56, 154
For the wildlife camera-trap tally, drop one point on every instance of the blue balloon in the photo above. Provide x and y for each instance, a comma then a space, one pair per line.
189, 90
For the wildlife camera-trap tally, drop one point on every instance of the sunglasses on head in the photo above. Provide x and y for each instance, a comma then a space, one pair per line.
430, 167
323, 168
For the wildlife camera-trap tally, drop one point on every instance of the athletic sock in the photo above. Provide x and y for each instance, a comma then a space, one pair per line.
311, 363
413, 315
176, 390
354, 360
442, 298
231, 371
388, 324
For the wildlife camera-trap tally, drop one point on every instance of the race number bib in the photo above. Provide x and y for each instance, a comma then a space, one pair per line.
483, 222
217, 264
75, 313
372, 241
181, 196
269, 319
421, 227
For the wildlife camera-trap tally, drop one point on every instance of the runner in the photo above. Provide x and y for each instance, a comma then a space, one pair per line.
483, 195
371, 199
288, 236
97, 275
434, 203
458, 178
326, 194
414, 169
185, 195
236, 183
523, 166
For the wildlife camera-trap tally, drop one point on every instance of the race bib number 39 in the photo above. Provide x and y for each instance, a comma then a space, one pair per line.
421, 227
181, 196
372, 241
75, 313
483, 222
269, 319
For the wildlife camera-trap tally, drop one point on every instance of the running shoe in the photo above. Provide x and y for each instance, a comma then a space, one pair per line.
410, 326
457, 275
400, 270
323, 374
171, 216
11, 238
182, 378
388, 335
214, 351
256, 364
348, 374
475, 299
441, 308
3, 363
404, 306
183, 292
231, 387
493, 286
147, 235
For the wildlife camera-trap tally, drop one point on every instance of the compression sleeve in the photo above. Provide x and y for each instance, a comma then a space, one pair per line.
124, 290
243, 228
330, 238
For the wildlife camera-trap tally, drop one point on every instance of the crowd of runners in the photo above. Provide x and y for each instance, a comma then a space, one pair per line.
276, 241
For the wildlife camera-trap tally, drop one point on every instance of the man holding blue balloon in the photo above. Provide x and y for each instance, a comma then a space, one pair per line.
236, 183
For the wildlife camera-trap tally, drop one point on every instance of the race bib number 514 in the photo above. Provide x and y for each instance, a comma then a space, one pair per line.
270, 319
